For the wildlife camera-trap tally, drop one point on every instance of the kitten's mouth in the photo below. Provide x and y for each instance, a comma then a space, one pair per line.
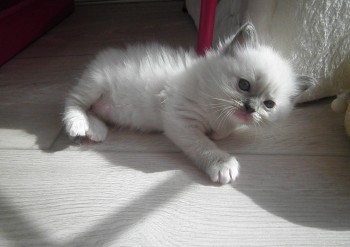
243, 116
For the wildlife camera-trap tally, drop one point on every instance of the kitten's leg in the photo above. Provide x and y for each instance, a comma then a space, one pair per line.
78, 122
219, 165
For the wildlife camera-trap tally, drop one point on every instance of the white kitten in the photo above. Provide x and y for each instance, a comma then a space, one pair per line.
188, 97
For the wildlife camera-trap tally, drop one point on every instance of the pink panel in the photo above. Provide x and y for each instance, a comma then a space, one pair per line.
206, 25
23, 22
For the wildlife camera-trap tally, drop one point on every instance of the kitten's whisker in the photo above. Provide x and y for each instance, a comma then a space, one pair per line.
223, 100
216, 106
233, 103
219, 119
223, 119
224, 115
225, 90
228, 112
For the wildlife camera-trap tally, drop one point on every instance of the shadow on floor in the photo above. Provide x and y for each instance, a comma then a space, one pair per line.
19, 231
312, 192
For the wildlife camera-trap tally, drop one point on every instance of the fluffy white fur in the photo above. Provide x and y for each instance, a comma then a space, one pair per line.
192, 99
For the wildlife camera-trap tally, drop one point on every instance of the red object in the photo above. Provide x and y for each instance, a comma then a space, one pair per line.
8, 3
21, 22
206, 25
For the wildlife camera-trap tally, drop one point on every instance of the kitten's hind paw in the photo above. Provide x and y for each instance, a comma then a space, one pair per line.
224, 173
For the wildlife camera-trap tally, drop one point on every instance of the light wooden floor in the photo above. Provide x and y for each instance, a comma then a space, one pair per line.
139, 189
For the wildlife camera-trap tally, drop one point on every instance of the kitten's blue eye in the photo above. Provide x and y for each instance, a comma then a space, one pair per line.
269, 104
244, 85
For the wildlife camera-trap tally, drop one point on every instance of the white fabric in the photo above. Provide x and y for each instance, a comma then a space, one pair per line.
313, 34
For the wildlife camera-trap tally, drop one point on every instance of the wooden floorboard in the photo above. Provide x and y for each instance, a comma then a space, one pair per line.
96, 198
139, 189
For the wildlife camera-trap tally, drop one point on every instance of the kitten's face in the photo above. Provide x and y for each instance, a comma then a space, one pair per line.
255, 86
248, 83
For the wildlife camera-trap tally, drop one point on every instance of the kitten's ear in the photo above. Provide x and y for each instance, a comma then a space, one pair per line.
245, 36
304, 82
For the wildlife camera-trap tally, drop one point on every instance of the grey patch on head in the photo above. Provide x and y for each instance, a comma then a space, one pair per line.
248, 35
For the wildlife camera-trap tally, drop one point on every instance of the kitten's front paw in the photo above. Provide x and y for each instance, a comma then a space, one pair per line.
88, 128
97, 131
224, 172
77, 127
